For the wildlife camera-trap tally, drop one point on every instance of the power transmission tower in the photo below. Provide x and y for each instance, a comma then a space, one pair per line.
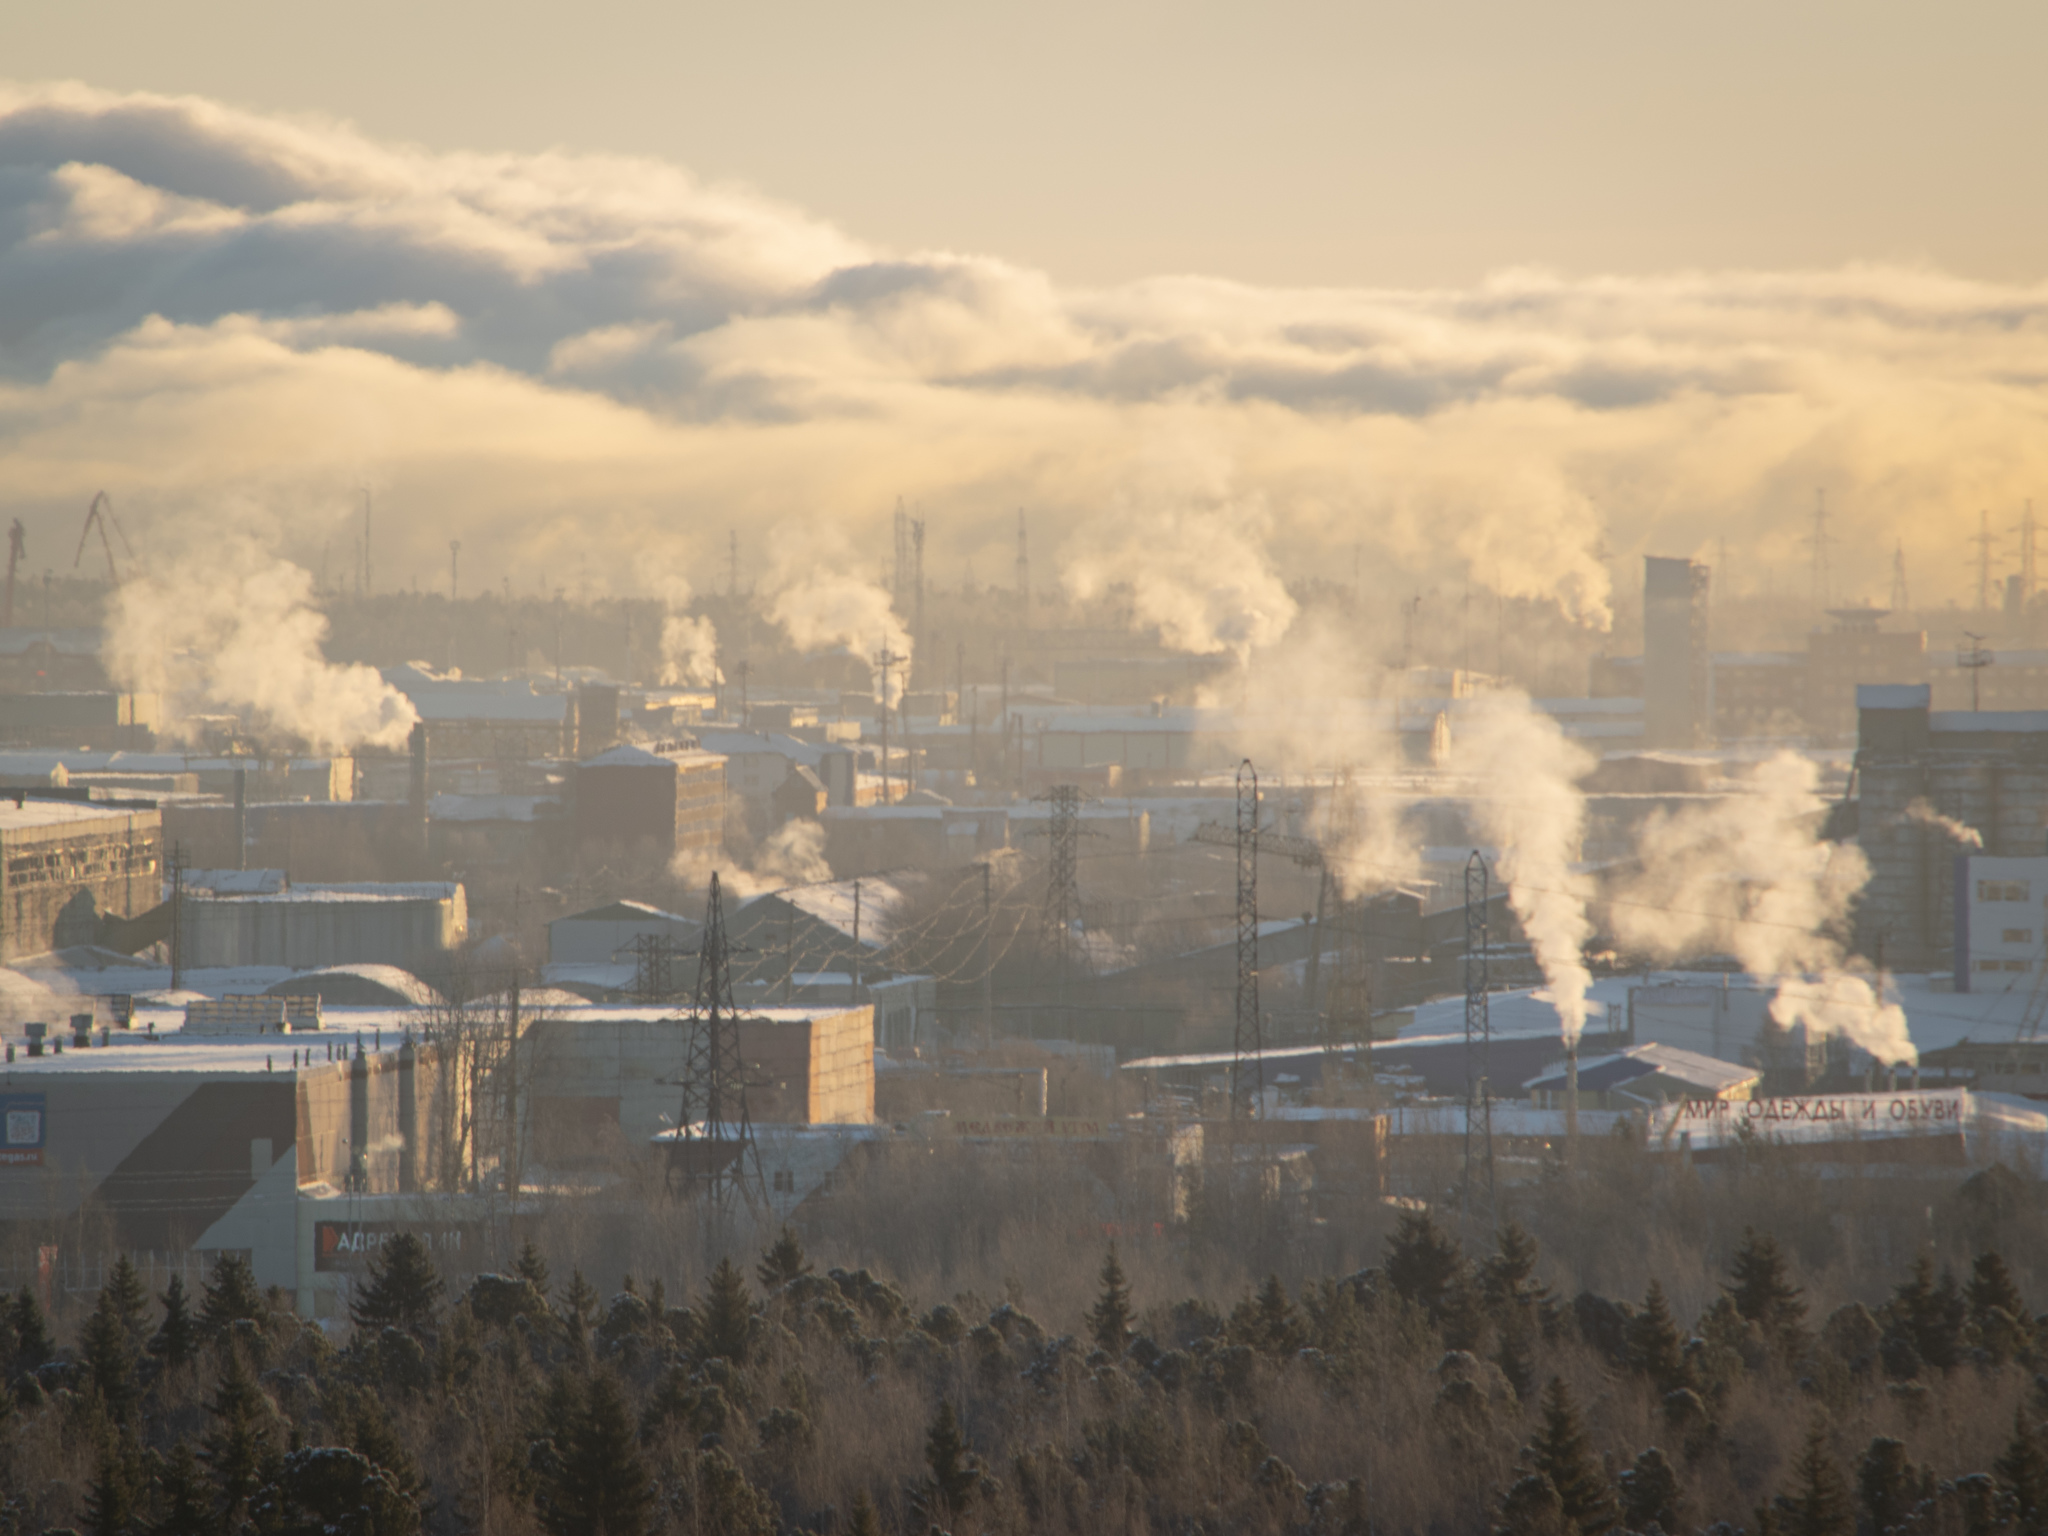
1478, 1036
1247, 1071
1062, 886
2026, 531
1901, 601
713, 1161
1023, 575
1984, 542
1818, 541
653, 967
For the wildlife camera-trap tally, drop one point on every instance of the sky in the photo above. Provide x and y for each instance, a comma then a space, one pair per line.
1219, 297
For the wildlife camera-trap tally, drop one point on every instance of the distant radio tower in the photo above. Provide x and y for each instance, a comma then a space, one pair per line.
1023, 574
1984, 542
1900, 602
1819, 541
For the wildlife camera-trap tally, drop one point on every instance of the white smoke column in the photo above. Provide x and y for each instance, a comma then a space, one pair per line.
825, 607
1927, 816
1527, 803
1750, 875
689, 651
793, 854
1202, 577
235, 630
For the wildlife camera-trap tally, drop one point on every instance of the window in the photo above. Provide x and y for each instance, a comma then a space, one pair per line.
2003, 890
1985, 965
2017, 936
785, 1182
2019, 965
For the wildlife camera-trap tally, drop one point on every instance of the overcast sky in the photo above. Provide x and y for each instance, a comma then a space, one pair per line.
1287, 142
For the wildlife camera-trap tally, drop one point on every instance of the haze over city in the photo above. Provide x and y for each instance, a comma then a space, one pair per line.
1017, 771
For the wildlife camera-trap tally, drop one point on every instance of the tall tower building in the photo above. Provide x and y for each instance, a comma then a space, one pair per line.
1678, 676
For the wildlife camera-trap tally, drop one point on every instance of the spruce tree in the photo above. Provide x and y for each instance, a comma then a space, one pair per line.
1531, 1507
1562, 1452
1655, 1347
237, 1440
602, 1487
1819, 1504
129, 1299
404, 1287
177, 1337
783, 1262
112, 1500
1761, 1287
1423, 1265
1930, 1314
2023, 1472
1991, 1286
727, 1317
1887, 1485
862, 1520
1109, 1320
107, 1350
955, 1471
532, 1267
33, 1345
1650, 1493
182, 1500
230, 1296
579, 1307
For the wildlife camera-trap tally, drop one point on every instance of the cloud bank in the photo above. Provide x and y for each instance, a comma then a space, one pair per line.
560, 358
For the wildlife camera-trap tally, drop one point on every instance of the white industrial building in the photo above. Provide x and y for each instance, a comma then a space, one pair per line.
2001, 904
308, 926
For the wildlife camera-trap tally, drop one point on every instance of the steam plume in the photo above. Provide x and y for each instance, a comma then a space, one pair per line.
824, 607
1927, 816
1750, 875
234, 630
689, 651
1529, 805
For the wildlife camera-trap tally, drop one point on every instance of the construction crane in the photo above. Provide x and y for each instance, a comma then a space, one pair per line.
17, 546
99, 515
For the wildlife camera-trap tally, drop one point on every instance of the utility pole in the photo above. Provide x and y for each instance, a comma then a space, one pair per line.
1062, 890
1478, 1036
988, 959
917, 588
2026, 531
1974, 661
1247, 1073
856, 944
1003, 769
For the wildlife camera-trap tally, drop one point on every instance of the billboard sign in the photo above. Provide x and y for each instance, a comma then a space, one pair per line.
1815, 1117
349, 1246
23, 1125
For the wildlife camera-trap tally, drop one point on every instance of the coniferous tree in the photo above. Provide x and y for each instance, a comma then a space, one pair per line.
1655, 1347
861, 1519
955, 1471
1888, 1485
112, 1501
783, 1262
1819, 1504
404, 1287
728, 1315
177, 1337
1109, 1320
33, 1345
602, 1487
1423, 1265
129, 1299
1929, 1314
1650, 1493
107, 1350
2023, 1471
185, 1508
1531, 1507
1562, 1452
532, 1268
1761, 1287
1991, 1286
235, 1443
579, 1308
230, 1296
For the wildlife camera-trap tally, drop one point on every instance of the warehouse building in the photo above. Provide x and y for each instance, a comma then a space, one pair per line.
661, 804
65, 865
412, 925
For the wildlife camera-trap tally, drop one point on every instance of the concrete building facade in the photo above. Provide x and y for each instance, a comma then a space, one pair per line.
67, 864
411, 925
1678, 685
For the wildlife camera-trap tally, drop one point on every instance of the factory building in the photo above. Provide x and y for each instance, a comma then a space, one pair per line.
415, 926
1933, 785
664, 803
101, 719
2000, 906
1678, 679
65, 865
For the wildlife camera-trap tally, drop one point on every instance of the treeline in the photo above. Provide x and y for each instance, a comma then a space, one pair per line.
1440, 1390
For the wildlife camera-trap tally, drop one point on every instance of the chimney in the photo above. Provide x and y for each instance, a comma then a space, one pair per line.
241, 818
417, 797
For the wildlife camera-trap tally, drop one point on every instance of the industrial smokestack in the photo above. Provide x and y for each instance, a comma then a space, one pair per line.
417, 797
241, 818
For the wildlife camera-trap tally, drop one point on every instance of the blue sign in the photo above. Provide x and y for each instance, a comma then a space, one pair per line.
22, 1126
